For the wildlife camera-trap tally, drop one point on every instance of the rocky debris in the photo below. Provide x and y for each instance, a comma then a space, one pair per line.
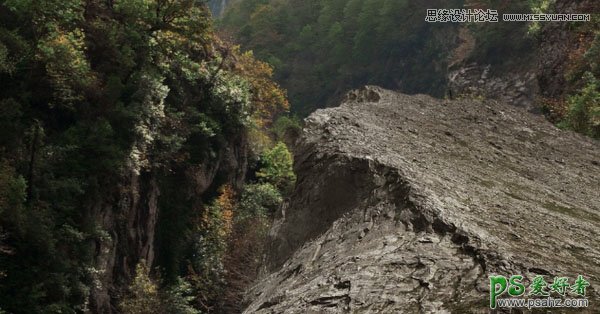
406, 204
367, 94
473, 80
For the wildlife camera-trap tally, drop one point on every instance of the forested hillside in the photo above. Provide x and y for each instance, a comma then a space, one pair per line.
320, 49
127, 128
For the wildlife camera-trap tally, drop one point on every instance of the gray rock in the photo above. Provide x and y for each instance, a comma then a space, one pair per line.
406, 204
475, 81
130, 218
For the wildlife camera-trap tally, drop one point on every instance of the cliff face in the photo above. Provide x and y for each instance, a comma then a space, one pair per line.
131, 217
560, 46
409, 203
540, 72
518, 88
217, 7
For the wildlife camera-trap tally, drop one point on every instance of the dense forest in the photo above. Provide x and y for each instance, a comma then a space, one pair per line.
113, 109
320, 49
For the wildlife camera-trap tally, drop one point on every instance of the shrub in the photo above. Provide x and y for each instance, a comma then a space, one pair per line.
258, 200
584, 109
146, 298
143, 298
245, 245
178, 297
286, 126
277, 167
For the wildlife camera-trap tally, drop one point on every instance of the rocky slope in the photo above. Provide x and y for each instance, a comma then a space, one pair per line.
475, 81
536, 74
408, 204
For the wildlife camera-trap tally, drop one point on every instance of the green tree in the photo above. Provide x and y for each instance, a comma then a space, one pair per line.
143, 297
286, 126
584, 108
277, 167
258, 200
179, 298
93, 94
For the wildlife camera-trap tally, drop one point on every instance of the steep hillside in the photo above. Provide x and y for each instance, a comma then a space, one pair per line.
321, 49
126, 131
398, 209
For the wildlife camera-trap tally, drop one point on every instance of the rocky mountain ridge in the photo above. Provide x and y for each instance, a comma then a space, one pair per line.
409, 203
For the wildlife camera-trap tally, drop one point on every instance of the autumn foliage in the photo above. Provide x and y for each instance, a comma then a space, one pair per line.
268, 98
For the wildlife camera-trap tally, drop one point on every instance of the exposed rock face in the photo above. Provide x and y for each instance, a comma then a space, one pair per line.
519, 89
559, 47
131, 228
559, 43
130, 218
217, 7
406, 204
